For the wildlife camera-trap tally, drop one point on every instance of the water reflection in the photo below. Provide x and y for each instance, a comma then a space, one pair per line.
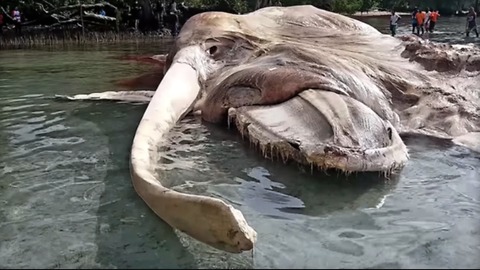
269, 187
286, 190
282, 203
328, 220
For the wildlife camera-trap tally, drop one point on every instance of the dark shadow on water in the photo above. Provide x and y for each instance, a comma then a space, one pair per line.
427, 141
421, 143
128, 234
309, 192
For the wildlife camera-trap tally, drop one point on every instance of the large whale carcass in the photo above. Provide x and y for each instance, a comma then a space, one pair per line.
302, 84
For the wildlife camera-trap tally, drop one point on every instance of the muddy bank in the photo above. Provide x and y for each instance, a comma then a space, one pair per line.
31, 39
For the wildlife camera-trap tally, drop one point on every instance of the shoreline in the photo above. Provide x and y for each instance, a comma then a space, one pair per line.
377, 14
34, 39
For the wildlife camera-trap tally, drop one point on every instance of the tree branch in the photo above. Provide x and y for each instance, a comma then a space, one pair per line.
47, 3
84, 6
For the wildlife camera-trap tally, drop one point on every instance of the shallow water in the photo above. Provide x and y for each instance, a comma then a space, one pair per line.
448, 29
67, 200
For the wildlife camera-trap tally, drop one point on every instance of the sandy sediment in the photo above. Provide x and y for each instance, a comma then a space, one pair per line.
377, 14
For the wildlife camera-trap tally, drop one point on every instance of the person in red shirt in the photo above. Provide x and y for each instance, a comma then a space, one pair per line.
420, 16
433, 20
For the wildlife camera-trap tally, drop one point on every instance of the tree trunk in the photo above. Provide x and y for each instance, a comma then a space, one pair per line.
81, 20
147, 18
263, 3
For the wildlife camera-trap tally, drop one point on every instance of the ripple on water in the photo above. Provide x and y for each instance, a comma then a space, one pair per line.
22, 108
348, 228
13, 100
268, 204
36, 120
51, 180
53, 144
32, 96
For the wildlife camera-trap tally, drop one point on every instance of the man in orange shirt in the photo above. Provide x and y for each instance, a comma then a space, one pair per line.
420, 16
433, 20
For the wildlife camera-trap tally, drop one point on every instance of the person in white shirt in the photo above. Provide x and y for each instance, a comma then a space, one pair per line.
427, 19
393, 22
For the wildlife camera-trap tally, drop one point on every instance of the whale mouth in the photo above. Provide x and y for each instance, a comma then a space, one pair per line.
322, 129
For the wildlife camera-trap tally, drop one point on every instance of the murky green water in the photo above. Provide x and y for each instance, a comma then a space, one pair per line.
66, 200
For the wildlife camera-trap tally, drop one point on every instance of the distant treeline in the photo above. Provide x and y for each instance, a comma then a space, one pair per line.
242, 6
57, 21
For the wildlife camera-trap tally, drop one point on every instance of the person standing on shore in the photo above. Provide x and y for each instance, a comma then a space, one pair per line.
160, 13
420, 16
136, 14
433, 20
471, 22
17, 20
394, 18
414, 20
427, 19
174, 13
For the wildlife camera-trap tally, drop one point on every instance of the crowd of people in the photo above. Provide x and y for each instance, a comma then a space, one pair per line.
17, 21
130, 17
424, 21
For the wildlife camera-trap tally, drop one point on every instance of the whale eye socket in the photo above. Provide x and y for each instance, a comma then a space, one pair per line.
212, 50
